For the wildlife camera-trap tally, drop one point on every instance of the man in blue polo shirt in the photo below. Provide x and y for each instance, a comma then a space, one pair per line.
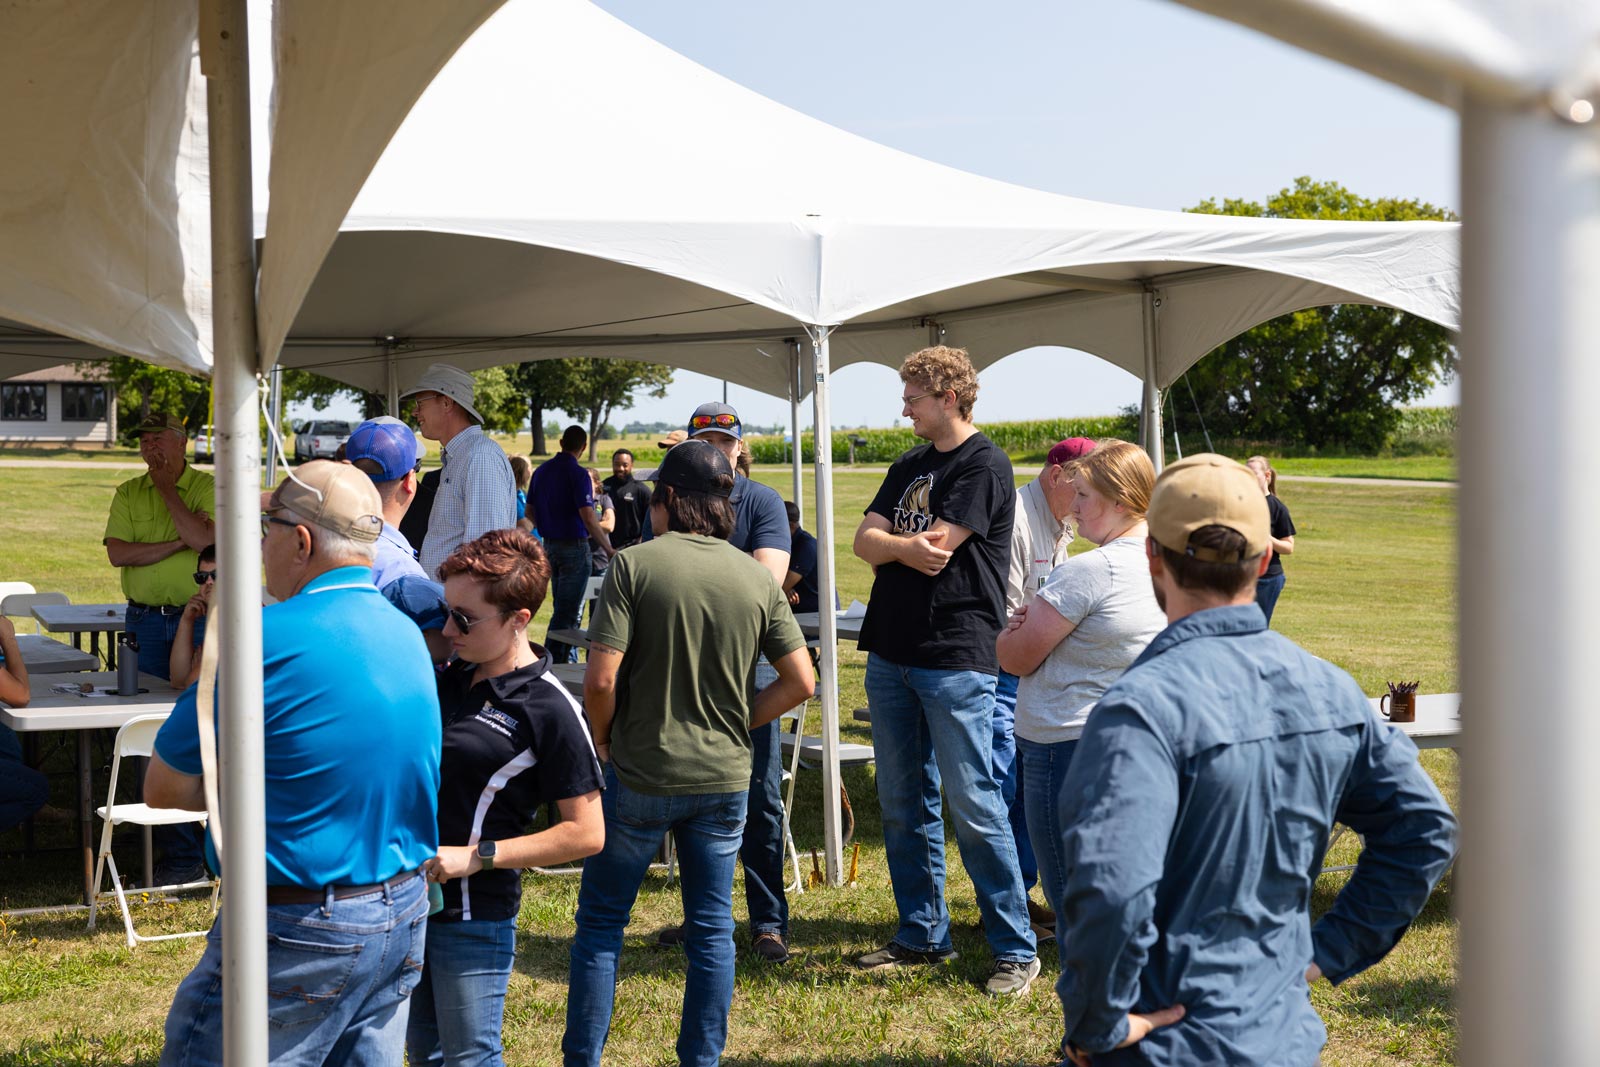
352, 738
561, 508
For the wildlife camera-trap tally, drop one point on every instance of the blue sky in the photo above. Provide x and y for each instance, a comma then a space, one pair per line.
1138, 102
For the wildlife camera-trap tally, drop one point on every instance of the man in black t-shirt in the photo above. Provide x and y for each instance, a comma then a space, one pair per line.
631, 498
938, 536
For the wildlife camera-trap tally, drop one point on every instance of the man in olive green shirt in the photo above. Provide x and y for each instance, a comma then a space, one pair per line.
159, 523
667, 691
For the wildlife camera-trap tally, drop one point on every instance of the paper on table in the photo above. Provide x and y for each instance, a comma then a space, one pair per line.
856, 610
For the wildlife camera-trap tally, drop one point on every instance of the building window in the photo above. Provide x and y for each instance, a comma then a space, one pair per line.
22, 402
83, 403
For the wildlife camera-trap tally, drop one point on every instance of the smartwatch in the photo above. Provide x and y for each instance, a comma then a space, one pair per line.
486, 854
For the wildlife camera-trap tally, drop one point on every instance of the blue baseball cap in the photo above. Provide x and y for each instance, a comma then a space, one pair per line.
389, 443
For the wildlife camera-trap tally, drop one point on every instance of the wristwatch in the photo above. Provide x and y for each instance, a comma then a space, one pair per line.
486, 854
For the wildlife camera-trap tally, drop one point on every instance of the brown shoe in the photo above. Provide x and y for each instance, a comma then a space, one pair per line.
1040, 915
768, 944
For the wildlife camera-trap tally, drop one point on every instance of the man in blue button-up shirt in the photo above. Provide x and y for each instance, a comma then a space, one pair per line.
1199, 804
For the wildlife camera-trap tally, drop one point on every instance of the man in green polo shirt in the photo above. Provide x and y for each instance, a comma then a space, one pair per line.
159, 523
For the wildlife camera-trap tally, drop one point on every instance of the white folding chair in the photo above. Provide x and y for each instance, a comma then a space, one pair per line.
137, 738
801, 750
8, 588
21, 605
591, 597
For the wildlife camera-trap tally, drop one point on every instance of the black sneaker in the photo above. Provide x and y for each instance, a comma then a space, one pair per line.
670, 937
895, 955
768, 944
166, 874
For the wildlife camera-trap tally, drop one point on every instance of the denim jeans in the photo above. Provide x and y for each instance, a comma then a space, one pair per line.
1008, 771
457, 1011
928, 727
761, 850
23, 790
1044, 768
155, 632
707, 828
1267, 590
339, 979
569, 577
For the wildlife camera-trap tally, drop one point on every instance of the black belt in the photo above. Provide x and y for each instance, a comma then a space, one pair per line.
293, 894
164, 609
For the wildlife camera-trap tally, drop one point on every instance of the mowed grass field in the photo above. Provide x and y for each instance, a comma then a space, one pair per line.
1372, 588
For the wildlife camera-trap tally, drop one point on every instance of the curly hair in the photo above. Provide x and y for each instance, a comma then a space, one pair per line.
510, 564
1120, 472
940, 368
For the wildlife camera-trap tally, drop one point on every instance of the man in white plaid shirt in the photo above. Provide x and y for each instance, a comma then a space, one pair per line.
476, 490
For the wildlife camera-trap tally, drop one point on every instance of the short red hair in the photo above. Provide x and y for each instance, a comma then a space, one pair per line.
510, 564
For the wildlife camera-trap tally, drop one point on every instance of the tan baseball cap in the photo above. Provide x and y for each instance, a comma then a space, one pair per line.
335, 496
1206, 489
676, 437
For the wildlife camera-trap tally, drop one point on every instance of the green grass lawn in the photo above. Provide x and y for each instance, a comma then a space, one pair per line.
1372, 587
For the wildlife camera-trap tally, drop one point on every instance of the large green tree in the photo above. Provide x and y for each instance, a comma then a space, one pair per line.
600, 386
1330, 376
144, 389
543, 386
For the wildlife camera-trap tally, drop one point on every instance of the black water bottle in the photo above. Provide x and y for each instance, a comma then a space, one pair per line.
127, 664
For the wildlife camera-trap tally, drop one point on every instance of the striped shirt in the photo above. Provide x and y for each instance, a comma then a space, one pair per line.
476, 494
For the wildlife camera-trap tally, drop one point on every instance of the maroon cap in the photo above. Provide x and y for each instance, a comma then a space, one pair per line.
1071, 449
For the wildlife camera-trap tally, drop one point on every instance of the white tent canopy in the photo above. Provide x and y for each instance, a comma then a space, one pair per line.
616, 199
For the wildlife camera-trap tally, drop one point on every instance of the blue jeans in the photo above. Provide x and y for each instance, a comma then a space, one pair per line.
456, 1012
1044, 768
707, 828
23, 790
761, 850
569, 577
155, 632
928, 727
1008, 770
339, 980
1267, 590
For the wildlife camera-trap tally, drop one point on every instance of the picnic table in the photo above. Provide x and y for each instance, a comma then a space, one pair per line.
80, 619
849, 627
43, 655
82, 713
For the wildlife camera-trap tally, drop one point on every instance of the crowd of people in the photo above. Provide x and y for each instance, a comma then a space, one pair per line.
1117, 728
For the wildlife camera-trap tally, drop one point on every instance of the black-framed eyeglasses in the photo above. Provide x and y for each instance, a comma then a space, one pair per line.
269, 520
465, 623
202, 577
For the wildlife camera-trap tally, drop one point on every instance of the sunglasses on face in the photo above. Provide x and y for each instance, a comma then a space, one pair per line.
702, 422
465, 624
202, 577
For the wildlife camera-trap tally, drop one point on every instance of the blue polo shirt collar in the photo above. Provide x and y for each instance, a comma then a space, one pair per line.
350, 576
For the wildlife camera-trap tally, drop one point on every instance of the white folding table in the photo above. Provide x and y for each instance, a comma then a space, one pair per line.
80, 619
43, 655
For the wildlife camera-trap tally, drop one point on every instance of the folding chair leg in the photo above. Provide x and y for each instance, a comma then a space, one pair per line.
122, 901
99, 872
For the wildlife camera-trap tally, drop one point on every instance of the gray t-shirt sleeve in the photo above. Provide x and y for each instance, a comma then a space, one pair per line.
1079, 586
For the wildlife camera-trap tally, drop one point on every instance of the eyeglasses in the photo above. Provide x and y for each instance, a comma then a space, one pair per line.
724, 421
268, 520
202, 577
909, 400
465, 624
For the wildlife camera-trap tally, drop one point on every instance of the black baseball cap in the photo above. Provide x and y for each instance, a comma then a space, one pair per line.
697, 467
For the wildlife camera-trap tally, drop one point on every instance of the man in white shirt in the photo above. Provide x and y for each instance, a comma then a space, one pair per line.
477, 492
1039, 539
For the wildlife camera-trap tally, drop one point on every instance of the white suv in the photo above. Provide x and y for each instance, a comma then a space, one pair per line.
320, 439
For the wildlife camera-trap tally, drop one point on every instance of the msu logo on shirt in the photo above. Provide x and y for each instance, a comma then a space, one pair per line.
912, 514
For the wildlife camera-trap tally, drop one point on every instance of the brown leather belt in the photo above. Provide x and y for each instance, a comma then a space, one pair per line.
293, 894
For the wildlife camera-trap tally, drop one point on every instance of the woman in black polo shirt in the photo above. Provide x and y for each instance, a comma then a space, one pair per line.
514, 740
1270, 584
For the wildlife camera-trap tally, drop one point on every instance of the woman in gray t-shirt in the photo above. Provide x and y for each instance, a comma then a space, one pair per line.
1092, 618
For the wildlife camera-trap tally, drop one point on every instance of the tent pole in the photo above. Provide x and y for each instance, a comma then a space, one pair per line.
795, 461
1152, 394
392, 383
828, 635
225, 60
1531, 264
275, 413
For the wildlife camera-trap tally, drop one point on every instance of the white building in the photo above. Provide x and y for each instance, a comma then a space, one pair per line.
60, 406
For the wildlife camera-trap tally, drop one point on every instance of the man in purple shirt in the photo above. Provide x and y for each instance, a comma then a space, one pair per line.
561, 508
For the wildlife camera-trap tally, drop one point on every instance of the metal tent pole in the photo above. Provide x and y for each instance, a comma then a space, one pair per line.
796, 462
1531, 267
275, 413
1152, 394
392, 384
828, 631
225, 61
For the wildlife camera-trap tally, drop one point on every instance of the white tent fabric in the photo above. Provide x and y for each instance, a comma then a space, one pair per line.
567, 186
345, 75
1512, 51
104, 207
